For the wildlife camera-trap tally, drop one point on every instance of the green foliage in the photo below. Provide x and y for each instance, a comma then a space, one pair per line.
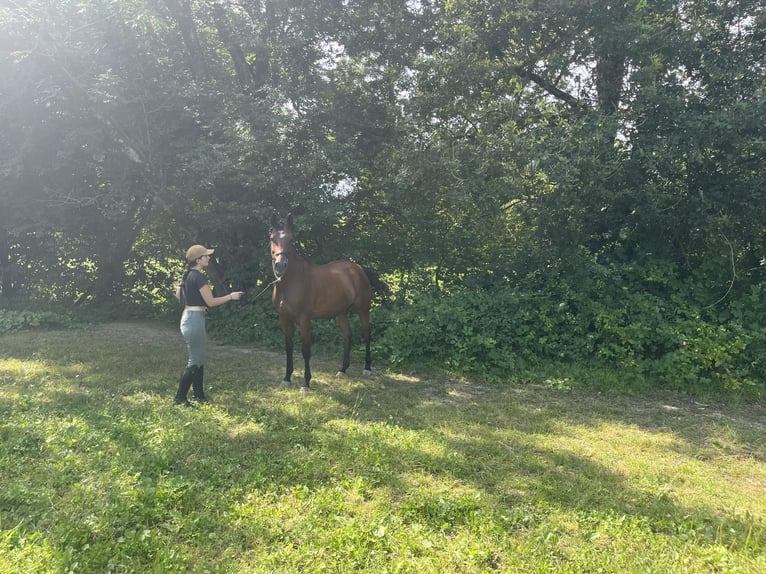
502, 333
604, 163
706, 355
493, 334
11, 320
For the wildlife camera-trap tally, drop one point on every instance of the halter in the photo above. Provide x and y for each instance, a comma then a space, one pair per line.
274, 258
282, 235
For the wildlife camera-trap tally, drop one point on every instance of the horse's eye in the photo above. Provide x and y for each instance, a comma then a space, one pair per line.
274, 240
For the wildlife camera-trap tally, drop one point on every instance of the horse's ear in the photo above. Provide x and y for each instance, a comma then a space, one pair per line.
290, 220
274, 220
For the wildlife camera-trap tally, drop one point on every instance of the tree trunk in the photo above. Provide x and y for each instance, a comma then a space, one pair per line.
181, 12
7, 283
242, 69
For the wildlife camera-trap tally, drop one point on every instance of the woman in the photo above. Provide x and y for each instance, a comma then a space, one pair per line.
196, 296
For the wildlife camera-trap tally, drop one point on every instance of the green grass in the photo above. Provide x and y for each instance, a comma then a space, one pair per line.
99, 472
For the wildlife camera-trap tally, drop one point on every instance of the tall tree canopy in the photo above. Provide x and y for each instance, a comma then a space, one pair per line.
601, 147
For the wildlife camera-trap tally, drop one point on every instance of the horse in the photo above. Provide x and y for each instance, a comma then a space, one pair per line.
304, 291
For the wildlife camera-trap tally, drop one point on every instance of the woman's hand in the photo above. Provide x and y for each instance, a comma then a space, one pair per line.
212, 301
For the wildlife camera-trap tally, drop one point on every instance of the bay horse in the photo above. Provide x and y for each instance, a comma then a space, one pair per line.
305, 291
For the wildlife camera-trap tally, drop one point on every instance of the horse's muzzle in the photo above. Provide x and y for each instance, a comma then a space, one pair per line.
279, 265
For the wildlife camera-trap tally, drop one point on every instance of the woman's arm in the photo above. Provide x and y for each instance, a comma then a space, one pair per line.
211, 301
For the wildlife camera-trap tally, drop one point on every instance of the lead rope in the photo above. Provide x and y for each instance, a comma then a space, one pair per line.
269, 286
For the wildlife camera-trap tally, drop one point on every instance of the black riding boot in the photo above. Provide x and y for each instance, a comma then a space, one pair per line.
188, 377
198, 392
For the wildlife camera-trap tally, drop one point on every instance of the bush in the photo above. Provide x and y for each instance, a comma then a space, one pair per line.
501, 332
16, 320
490, 333
706, 355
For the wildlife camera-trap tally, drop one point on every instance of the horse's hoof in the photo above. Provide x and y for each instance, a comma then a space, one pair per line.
305, 389
284, 384
367, 373
340, 374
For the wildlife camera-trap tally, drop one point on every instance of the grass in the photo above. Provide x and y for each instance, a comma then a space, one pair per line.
408, 473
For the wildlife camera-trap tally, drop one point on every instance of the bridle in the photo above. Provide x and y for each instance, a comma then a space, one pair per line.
278, 278
275, 257
281, 238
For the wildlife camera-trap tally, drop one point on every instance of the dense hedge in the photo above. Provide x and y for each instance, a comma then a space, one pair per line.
498, 333
15, 320
503, 332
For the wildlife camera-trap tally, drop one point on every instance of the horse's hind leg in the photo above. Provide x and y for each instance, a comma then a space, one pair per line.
345, 329
364, 318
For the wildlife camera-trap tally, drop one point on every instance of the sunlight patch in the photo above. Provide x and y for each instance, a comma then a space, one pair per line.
14, 369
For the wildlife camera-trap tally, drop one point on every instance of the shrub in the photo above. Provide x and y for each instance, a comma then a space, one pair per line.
706, 354
495, 333
11, 320
489, 333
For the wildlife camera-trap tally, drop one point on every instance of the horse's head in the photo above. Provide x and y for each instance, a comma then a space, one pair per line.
281, 239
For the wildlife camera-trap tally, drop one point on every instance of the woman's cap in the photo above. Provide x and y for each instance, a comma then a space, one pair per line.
196, 251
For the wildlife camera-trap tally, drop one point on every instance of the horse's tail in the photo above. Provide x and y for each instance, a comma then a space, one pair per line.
380, 288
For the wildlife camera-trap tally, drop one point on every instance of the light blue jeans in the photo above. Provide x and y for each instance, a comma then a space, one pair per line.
193, 330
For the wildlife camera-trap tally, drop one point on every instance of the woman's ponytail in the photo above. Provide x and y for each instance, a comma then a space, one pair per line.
183, 286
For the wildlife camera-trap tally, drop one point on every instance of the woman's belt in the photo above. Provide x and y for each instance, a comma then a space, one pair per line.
189, 308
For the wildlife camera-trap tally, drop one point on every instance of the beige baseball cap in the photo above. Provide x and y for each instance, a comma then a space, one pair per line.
196, 251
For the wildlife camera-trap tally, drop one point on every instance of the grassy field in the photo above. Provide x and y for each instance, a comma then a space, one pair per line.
409, 473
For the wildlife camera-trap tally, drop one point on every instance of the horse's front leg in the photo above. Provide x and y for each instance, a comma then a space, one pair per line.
288, 328
306, 351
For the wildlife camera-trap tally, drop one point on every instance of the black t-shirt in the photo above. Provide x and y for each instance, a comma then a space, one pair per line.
194, 282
